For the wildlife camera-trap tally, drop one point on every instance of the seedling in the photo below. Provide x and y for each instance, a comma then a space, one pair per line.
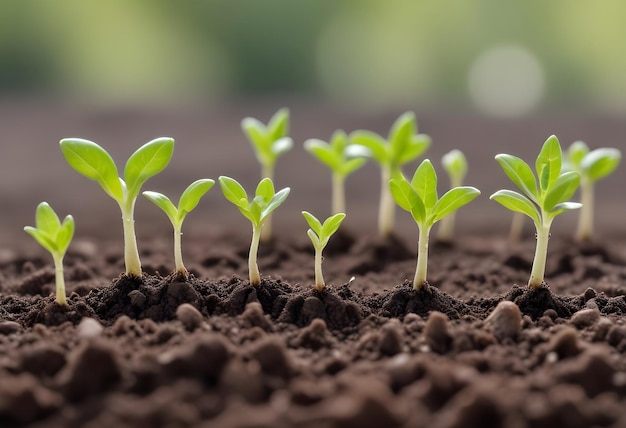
55, 237
403, 145
257, 210
342, 158
419, 197
592, 166
455, 164
187, 202
319, 234
95, 163
269, 143
543, 202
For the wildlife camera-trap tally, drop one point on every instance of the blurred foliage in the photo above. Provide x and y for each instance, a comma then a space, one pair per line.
347, 49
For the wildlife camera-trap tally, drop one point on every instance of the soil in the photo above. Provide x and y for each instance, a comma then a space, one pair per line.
475, 348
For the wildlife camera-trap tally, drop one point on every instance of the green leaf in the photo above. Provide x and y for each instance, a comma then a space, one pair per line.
233, 191
322, 151
278, 126
455, 163
256, 133
374, 142
520, 173
561, 190
50, 233
146, 162
424, 182
42, 238
452, 200
92, 161
517, 202
352, 165
565, 206
282, 146
408, 199
315, 240
65, 234
163, 202
265, 189
400, 134
276, 201
600, 162
576, 152
548, 164
418, 145
46, 219
331, 225
313, 222
193, 193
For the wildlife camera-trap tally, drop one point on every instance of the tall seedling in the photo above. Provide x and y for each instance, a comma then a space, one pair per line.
95, 163
543, 196
402, 145
269, 143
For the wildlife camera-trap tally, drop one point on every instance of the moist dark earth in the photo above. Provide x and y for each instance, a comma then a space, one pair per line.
475, 348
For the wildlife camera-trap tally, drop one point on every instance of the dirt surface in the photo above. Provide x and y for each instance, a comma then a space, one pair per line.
474, 349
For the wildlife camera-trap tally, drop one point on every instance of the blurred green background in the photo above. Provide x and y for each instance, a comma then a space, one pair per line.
506, 58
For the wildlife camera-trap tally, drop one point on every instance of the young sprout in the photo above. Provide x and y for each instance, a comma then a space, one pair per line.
342, 158
541, 202
592, 166
55, 237
269, 143
95, 163
455, 164
419, 197
256, 210
320, 234
187, 202
403, 145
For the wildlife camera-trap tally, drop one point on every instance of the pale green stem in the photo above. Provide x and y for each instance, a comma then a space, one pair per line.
585, 220
422, 258
131, 253
386, 209
541, 253
267, 171
517, 228
445, 231
319, 278
178, 253
253, 268
339, 197
61, 299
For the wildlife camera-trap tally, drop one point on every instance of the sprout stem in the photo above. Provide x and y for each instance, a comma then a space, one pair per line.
541, 253
339, 197
445, 232
131, 253
267, 171
178, 253
319, 278
386, 210
517, 228
422, 258
61, 299
585, 221
253, 268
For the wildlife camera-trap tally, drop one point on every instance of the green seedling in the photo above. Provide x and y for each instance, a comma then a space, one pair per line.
188, 202
55, 237
269, 143
342, 158
592, 166
419, 197
92, 161
403, 145
257, 210
319, 234
455, 164
541, 202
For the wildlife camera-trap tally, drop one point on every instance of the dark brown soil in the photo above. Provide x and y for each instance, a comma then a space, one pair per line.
368, 351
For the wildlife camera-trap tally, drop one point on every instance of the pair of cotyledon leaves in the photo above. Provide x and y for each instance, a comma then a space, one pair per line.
591, 164
270, 141
319, 233
52, 234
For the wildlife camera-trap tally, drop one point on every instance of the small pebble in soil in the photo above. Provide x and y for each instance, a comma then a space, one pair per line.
585, 318
506, 320
253, 316
564, 343
391, 338
189, 316
89, 328
436, 332
9, 327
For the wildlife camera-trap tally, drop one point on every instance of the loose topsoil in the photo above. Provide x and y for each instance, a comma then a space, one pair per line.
475, 348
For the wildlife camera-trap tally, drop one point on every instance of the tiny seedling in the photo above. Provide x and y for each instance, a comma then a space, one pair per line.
592, 166
419, 197
403, 145
319, 234
342, 158
543, 202
188, 202
55, 237
257, 210
95, 163
455, 164
269, 143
